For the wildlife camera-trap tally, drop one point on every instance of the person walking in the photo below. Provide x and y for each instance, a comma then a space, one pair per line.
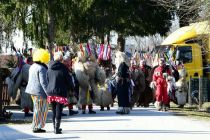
37, 88
147, 95
123, 89
60, 82
72, 100
159, 79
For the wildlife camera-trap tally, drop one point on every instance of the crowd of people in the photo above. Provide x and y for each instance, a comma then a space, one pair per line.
90, 77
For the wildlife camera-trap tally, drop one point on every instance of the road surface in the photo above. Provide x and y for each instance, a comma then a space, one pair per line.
140, 124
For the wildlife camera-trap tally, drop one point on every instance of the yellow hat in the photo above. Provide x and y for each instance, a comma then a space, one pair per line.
41, 55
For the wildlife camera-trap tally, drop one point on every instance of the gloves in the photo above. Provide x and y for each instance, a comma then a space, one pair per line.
165, 75
153, 84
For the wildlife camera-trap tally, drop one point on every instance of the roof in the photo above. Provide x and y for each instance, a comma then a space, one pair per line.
187, 32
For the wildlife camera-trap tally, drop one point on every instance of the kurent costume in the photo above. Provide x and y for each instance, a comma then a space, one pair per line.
105, 61
138, 78
124, 85
139, 86
181, 88
37, 88
18, 80
104, 96
72, 95
89, 75
146, 96
159, 77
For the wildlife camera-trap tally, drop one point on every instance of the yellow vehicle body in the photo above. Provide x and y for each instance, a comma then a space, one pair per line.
193, 44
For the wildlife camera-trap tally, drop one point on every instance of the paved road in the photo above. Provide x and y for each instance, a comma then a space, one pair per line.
141, 124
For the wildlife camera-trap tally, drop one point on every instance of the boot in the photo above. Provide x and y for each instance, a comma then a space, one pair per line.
92, 112
57, 127
60, 129
102, 108
83, 112
165, 107
72, 112
53, 124
27, 114
108, 108
158, 106
119, 112
181, 106
63, 114
39, 130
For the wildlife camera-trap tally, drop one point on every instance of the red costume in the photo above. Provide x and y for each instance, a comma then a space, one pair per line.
161, 84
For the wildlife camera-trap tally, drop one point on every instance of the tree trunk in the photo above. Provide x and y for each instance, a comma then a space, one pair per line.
108, 38
51, 26
102, 38
1, 38
1, 86
121, 43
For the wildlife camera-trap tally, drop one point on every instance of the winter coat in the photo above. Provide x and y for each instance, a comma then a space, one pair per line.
59, 78
37, 82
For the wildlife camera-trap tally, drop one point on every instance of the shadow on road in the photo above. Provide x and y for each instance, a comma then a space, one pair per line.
13, 134
140, 131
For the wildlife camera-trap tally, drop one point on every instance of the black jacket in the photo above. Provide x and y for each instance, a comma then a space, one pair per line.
59, 78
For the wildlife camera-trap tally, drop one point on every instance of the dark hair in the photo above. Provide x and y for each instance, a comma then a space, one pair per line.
29, 59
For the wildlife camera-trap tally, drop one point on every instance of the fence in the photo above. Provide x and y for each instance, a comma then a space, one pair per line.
4, 97
199, 88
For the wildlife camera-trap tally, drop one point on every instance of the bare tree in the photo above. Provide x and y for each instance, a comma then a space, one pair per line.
188, 11
148, 42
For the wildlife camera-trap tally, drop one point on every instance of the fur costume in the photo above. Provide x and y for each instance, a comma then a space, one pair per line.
171, 88
139, 85
147, 96
90, 68
136, 58
121, 57
19, 80
89, 75
100, 76
123, 86
181, 88
104, 96
82, 77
